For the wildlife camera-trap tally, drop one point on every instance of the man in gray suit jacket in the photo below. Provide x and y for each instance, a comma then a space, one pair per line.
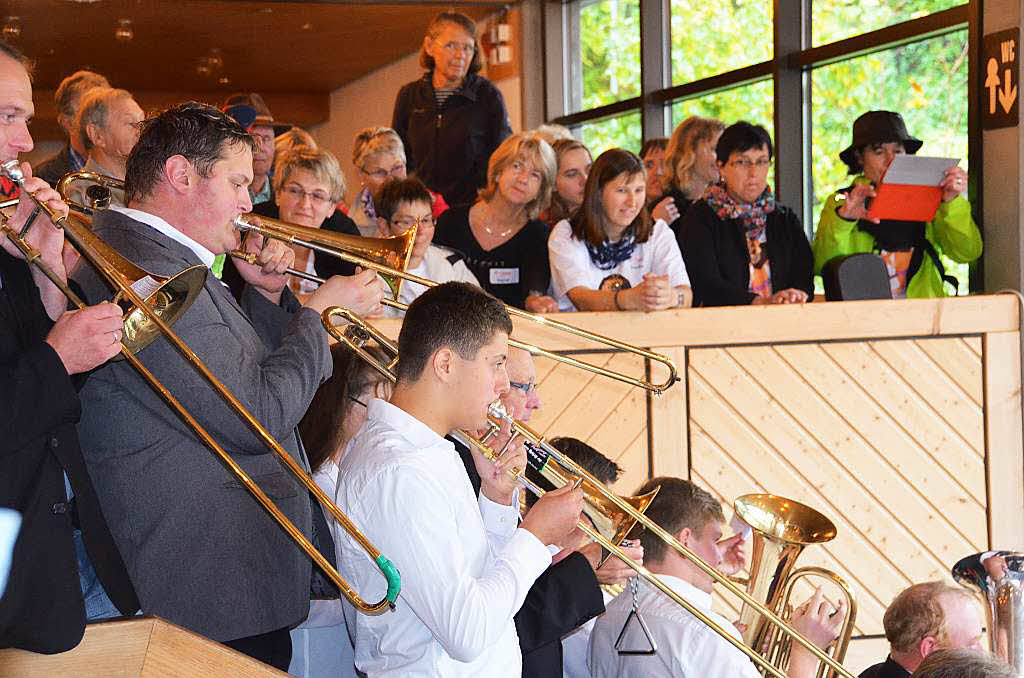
199, 549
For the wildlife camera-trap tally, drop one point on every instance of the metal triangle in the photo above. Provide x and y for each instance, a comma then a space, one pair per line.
653, 646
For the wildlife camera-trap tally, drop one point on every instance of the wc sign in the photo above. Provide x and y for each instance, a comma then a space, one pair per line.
1000, 75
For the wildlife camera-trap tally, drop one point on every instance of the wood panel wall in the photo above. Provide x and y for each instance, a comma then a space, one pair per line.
900, 421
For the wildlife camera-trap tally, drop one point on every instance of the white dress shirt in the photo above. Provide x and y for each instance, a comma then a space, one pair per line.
465, 565
435, 266
576, 645
161, 225
571, 265
686, 646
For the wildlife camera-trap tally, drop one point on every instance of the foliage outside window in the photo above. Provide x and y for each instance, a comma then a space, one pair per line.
623, 131
834, 20
709, 38
926, 82
610, 46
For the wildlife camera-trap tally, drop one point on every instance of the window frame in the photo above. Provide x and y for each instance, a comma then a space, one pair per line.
790, 70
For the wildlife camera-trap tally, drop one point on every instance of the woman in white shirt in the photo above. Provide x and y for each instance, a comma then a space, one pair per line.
321, 646
611, 256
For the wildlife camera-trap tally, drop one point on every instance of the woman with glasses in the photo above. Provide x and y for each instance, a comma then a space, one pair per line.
740, 246
611, 256
308, 183
379, 156
403, 204
451, 119
503, 241
321, 645
910, 249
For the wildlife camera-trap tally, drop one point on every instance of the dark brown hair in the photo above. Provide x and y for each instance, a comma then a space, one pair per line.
322, 427
456, 315
679, 504
588, 222
559, 209
395, 192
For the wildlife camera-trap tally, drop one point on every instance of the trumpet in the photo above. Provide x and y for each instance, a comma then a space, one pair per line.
136, 291
357, 332
328, 243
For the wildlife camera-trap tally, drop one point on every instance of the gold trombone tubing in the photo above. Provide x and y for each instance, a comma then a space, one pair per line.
537, 440
88, 246
308, 238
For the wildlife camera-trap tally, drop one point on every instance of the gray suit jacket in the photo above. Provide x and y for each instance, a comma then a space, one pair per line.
200, 550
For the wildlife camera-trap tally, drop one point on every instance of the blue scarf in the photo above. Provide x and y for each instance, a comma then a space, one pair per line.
608, 255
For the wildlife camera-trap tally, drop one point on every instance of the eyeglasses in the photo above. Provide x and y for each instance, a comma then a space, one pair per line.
315, 197
456, 47
744, 163
383, 174
527, 388
357, 400
405, 224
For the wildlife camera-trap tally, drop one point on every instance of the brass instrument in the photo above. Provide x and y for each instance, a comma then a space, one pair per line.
324, 241
149, 322
997, 577
358, 331
388, 256
98, 193
782, 528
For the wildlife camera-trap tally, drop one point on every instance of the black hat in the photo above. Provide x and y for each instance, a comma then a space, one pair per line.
877, 127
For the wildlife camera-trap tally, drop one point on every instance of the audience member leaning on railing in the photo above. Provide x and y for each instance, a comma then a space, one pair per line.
740, 246
611, 255
500, 236
910, 249
691, 166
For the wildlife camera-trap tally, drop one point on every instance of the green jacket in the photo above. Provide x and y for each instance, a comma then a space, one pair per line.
952, 232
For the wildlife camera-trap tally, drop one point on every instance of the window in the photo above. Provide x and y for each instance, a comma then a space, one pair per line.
609, 40
619, 132
753, 103
926, 82
834, 20
709, 38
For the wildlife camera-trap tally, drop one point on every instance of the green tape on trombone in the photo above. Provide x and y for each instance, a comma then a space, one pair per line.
391, 574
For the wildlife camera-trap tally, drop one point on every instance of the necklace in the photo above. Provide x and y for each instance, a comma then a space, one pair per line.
499, 235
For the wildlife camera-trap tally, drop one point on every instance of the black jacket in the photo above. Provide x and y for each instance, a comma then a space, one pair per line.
448, 149
715, 253
562, 598
56, 167
887, 669
42, 609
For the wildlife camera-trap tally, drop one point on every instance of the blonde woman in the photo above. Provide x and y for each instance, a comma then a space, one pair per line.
500, 236
379, 156
691, 166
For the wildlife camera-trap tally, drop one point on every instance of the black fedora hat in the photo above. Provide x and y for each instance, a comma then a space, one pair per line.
879, 127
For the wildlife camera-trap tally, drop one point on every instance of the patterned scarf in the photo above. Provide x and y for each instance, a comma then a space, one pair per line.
754, 217
365, 200
608, 255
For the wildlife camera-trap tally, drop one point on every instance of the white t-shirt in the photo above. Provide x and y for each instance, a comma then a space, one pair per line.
571, 265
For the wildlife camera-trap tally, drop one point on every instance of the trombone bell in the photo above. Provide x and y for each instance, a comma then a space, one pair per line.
392, 252
169, 297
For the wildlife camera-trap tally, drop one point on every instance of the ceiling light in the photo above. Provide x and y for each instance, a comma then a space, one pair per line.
124, 31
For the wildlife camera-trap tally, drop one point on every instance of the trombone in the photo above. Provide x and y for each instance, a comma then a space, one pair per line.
388, 257
358, 331
144, 323
338, 245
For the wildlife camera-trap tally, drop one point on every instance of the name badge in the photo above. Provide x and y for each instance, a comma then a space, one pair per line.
504, 276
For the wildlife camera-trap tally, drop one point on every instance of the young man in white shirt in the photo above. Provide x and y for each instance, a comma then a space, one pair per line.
685, 645
466, 563
402, 204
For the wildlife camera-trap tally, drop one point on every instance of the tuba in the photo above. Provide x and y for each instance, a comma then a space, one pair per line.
782, 528
997, 576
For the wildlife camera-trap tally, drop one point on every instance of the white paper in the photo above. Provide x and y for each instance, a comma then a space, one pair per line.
918, 170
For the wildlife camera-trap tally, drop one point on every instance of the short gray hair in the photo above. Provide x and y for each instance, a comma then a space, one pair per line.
373, 140
319, 161
95, 110
70, 91
963, 663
